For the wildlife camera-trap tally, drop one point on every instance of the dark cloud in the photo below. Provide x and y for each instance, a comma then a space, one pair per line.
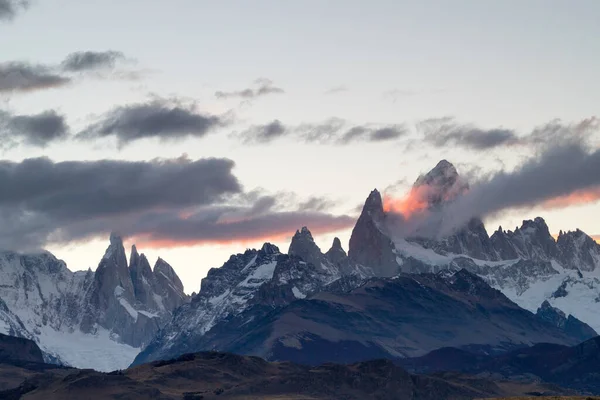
91, 60
36, 130
166, 120
170, 202
445, 131
40, 196
332, 131
262, 87
10, 8
23, 77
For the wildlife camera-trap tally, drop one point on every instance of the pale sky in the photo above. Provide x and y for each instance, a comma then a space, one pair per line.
496, 64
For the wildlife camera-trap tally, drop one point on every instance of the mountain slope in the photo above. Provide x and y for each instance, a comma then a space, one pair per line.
264, 277
575, 367
403, 316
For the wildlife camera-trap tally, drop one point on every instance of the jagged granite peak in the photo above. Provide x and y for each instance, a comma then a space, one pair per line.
269, 248
531, 241
444, 183
163, 268
134, 257
142, 277
368, 245
131, 301
337, 244
336, 253
472, 240
304, 246
578, 250
168, 289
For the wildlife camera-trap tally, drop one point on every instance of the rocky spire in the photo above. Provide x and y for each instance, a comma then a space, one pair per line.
163, 269
142, 278
113, 270
269, 248
369, 246
134, 258
336, 253
374, 206
578, 250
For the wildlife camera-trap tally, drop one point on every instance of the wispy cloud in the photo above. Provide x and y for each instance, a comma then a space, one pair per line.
337, 89
332, 131
262, 87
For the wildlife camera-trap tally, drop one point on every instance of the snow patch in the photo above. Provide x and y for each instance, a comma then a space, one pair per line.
260, 275
148, 314
132, 311
297, 293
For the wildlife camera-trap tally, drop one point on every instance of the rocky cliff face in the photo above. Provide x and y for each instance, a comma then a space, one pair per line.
369, 245
87, 319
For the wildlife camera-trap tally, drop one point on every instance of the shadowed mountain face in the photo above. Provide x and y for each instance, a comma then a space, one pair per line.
575, 367
399, 317
20, 349
227, 376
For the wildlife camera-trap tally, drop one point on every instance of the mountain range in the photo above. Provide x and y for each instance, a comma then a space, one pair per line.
390, 295
87, 319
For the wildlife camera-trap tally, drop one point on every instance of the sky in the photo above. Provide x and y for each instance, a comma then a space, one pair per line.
197, 129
